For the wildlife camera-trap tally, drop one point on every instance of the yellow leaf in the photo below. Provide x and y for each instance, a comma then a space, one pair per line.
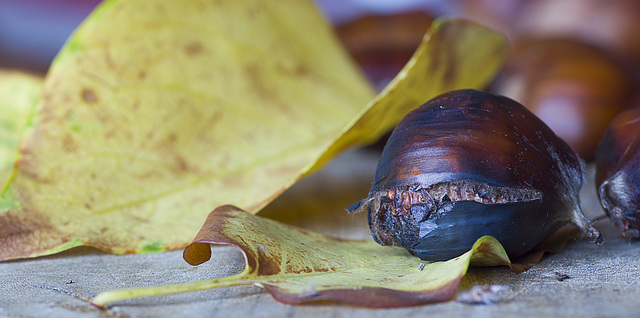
156, 111
19, 93
296, 265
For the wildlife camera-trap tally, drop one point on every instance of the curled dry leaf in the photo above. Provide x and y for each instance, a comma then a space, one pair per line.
156, 111
296, 265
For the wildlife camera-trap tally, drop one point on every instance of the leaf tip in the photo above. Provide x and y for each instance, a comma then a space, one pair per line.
99, 301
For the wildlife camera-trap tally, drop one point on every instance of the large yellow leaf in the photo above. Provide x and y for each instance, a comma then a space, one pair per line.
19, 93
296, 265
156, 111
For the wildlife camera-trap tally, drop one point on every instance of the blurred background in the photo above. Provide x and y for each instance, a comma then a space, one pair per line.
574, 63
32, 31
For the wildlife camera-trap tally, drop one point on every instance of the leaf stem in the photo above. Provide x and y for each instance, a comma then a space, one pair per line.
107, 297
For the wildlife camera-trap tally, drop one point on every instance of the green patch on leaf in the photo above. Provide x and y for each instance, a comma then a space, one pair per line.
8, 199
155, 246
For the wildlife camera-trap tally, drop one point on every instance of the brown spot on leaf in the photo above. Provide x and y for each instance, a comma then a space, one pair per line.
110, 134
257, 84
298, 71
89, 96
214, 119
180, 164
193, 48
69, 144
22, 233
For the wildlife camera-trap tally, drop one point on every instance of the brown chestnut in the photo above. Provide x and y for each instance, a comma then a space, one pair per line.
575, 88
468, 164
618, 172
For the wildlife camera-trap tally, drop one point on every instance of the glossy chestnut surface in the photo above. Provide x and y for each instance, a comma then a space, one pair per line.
468, 164
618, 172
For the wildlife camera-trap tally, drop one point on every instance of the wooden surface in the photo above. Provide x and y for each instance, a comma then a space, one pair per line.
600, 280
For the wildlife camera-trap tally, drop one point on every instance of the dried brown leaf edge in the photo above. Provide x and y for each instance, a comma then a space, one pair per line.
296, 265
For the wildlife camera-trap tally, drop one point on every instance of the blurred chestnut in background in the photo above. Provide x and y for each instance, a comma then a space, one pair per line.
575, 88
609, 24
618, 172
382, 44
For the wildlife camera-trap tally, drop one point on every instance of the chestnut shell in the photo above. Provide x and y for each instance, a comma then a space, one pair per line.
618, 172
468, 164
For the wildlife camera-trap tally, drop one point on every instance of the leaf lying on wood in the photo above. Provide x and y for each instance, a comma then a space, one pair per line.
297, 265
156, 111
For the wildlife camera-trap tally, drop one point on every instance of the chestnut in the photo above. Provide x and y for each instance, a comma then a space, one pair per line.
468, 164
617, 172
574, 87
